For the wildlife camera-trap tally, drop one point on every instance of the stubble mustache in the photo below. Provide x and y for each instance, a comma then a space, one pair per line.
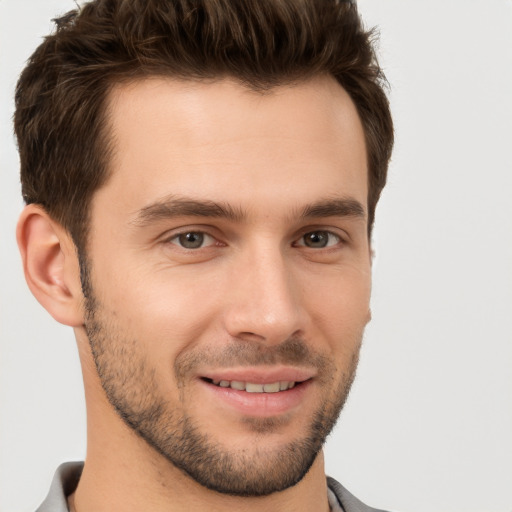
293, 351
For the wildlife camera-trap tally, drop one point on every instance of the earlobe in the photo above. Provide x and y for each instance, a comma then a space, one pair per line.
50, 265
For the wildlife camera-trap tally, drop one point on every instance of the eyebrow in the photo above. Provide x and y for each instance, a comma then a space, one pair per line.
172, 206
335, 207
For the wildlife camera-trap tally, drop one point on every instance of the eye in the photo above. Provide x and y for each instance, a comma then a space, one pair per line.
319, 239
192, 240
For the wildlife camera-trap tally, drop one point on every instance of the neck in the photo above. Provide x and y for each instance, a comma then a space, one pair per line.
120, 481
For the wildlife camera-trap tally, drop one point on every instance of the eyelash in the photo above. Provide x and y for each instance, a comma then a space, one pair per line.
322, 232
175, 239
201, 234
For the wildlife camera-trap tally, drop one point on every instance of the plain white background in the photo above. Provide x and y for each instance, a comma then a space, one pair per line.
428, 426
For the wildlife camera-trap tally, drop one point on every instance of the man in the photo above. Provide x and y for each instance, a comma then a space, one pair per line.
201, 182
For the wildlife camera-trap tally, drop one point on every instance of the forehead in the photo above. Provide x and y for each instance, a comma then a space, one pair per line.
223, 141
319, 107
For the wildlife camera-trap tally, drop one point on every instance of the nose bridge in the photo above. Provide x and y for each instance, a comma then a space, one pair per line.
265, 301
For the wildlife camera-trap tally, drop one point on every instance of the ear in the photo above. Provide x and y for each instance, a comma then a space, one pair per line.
50, 264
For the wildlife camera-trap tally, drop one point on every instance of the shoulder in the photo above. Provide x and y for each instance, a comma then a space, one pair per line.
348, 501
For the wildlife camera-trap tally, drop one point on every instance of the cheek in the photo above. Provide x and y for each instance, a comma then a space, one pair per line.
165, 311
179, 311
339, 304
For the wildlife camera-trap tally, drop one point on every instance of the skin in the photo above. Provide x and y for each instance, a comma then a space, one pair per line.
253, 286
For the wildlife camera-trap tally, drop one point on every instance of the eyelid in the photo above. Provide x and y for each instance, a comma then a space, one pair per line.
342, 238
208, 240
173, 234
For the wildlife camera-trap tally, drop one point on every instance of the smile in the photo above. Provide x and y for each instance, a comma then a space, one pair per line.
258, 391
252, 387
256, 399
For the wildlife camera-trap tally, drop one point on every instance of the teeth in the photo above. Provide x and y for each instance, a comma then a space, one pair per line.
251, 387
271, 388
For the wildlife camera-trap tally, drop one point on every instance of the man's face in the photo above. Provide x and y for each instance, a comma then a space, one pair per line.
230, 274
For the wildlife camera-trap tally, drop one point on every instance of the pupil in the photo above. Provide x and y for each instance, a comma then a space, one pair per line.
316, 239
191, 240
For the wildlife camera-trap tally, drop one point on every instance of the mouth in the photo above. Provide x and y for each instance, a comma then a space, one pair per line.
258, 393
254, 387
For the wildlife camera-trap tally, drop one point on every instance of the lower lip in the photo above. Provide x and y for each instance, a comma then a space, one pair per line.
261, 405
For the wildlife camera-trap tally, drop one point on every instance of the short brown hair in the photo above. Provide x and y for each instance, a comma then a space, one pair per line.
61, 122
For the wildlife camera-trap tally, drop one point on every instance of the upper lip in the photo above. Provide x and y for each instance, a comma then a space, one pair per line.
260, 375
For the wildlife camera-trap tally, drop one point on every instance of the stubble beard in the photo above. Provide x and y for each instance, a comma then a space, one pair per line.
132, 389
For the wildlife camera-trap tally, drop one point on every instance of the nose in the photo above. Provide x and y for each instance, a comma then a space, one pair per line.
264, 299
